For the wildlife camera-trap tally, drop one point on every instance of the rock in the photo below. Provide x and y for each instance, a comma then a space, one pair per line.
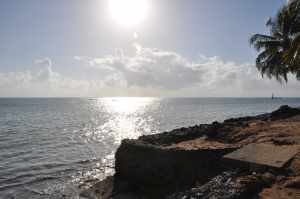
268, 178
101, 190
154, 166
225, 186
280, 191
284, 112
243, 120
294, 165
293, 182
156, 170
280, 178
249, 182
109, 188
179, 135
283, 141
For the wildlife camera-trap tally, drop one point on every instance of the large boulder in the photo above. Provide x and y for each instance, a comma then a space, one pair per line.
157, 171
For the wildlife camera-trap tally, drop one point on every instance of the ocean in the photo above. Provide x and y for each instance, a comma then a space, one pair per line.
54, 147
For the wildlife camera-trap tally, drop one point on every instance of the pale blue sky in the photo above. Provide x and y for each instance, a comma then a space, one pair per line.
59, 30
62, 28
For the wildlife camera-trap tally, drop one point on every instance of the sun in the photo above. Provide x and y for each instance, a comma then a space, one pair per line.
128, 12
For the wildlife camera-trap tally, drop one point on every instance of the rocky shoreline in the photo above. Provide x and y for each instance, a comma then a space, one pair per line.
189, 162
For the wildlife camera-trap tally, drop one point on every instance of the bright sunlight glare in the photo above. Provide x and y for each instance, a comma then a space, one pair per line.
128, 12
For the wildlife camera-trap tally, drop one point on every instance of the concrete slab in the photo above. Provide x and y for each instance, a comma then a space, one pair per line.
271, 155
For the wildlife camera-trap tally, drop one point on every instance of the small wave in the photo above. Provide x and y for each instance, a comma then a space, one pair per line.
22, 180
42, 172
27, 182
14, 154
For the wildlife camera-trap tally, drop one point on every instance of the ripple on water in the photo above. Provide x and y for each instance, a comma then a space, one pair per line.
50, 147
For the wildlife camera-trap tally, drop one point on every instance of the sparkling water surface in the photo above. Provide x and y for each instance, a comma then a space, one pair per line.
52, 148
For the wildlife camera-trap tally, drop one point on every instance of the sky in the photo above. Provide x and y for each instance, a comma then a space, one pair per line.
180, 48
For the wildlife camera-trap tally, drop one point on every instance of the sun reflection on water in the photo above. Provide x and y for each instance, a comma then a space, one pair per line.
127, 105
126, 117
110, 120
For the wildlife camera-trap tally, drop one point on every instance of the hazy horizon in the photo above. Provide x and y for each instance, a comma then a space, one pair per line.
120, 97
149, 48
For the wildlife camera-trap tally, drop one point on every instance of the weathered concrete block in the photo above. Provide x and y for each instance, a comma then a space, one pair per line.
263, 155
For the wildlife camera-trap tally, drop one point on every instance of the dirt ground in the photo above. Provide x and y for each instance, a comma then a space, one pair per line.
278, 132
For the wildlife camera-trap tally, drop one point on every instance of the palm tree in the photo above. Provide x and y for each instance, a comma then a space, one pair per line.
279, 52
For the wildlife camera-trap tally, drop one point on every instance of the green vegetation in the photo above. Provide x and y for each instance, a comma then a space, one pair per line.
279, 52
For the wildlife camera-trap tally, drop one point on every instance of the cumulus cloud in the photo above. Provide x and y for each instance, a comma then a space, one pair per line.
40, 83
45, 73
46, 61
152, 68
149, 72
161, 69
169, 71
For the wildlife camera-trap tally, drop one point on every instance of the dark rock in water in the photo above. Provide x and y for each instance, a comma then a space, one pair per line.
110, 188
284, 112
239, 119
102, 190
225, 186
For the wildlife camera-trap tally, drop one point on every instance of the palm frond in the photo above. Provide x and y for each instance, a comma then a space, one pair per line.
257, 37
292, 54
258, 45
279, 52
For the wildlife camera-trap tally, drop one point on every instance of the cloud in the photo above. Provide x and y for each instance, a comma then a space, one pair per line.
43, 82
45, 73
149, 72
151, 68
159, 69
44, 62
173, 74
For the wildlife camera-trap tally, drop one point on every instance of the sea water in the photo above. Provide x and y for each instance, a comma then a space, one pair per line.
54, 147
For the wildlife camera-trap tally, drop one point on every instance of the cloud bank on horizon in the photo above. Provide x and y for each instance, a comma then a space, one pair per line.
148, 72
